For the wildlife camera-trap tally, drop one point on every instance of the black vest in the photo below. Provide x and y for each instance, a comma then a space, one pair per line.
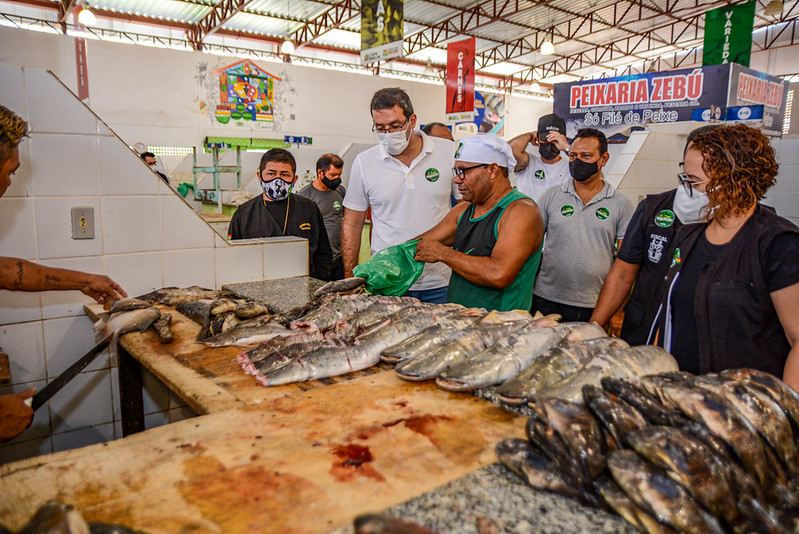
735, 318
641, 308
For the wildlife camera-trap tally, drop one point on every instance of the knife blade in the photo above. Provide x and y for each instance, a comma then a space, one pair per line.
55, 385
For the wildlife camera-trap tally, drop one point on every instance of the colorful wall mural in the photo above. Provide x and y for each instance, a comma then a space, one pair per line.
246, 92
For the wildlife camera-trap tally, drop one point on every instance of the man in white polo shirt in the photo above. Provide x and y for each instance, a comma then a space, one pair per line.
584, 219
407, 181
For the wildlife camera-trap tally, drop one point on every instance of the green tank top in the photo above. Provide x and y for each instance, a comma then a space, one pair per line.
477, 237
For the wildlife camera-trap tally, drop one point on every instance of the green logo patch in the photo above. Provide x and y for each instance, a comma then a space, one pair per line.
431, 175
540, 174
337, 206
567, 210
664, 218
602, 214
458, 152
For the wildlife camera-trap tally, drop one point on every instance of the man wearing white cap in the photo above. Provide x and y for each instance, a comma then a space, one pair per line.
492, 241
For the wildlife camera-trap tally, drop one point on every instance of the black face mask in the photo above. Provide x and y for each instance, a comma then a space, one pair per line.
331, 184
582, 171
548, 151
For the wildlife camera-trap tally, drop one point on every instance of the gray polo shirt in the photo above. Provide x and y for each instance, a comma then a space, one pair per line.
580, 242
331, 205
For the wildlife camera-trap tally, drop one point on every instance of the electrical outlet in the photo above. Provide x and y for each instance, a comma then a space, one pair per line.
83, 223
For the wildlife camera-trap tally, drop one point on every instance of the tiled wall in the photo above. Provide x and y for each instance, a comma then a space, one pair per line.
784, 196
146, 237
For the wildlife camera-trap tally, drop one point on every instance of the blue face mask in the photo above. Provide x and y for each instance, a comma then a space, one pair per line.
277, 189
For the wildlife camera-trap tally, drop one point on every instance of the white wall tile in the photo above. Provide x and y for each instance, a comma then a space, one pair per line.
22, 180
155, 393
85, 401
53, 108
14, 451
54, 228
785, 202
67, 340
152, 420
13, 90
131, 224
40, 426
17, 225
175, 401
19, 306
69, 303
238, 263
122, 172
189, 267
284, 260
787, 151
182, 227
64, 165
84, 437
220, 241
136, 273
24, 344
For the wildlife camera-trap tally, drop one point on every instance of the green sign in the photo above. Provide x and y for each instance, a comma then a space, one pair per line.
431, 174
728, 34
602, 213
664, 218
567, 210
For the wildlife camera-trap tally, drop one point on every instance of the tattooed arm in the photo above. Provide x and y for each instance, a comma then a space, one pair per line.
22, 275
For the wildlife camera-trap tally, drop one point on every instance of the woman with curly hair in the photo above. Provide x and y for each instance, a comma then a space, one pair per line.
732, 291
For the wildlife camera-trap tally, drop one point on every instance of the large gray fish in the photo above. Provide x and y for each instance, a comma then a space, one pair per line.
644, 402
266, 348
250, 309
198, 310
615, 497
338, 286
723, 420
443, 331
326, 315
616, 416
502, 360
124, 322
276, 359
472, 339
348, 328
689, 462
761, 410
124, 305
333, 361
655, 382
537, 470
778, 390
615, 363
172, 296
247, 335
553, 366
163, 329
651, 489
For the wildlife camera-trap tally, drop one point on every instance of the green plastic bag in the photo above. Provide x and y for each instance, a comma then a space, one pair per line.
392, 270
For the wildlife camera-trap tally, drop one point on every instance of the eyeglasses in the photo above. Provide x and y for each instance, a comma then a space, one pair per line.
460, 173
393, 128
687, 183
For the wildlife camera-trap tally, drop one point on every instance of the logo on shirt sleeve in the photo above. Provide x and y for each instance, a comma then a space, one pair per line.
664, 218
305, 226
337, 207
567, 210
431, 175
602, 213
540, 174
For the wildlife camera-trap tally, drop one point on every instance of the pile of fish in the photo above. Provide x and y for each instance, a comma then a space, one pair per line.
671, 452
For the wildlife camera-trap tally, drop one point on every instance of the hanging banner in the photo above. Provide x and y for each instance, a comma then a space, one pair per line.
82, 67
617, 106
460, 81
754, 93
381, 30
728, 34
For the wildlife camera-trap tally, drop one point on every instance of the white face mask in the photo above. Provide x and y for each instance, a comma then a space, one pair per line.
394, 142
690, 208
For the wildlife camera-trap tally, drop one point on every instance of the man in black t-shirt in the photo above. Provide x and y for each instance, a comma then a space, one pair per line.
279, 213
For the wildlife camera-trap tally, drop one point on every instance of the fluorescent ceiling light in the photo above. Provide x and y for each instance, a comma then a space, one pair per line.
287, 48
547, 48
86, 17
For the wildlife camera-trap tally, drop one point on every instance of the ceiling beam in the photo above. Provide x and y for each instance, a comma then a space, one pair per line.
337, 15
213, 21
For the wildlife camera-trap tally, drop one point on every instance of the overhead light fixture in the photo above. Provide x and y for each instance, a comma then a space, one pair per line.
535, 87
287, 48
547, 48
428, 67
86, 17
773, 8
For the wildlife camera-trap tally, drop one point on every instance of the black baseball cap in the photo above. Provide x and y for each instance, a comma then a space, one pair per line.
550, 123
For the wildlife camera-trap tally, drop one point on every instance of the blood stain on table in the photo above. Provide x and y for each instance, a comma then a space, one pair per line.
353, 461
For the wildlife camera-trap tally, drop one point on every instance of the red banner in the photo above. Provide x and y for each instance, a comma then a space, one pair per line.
460, 80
